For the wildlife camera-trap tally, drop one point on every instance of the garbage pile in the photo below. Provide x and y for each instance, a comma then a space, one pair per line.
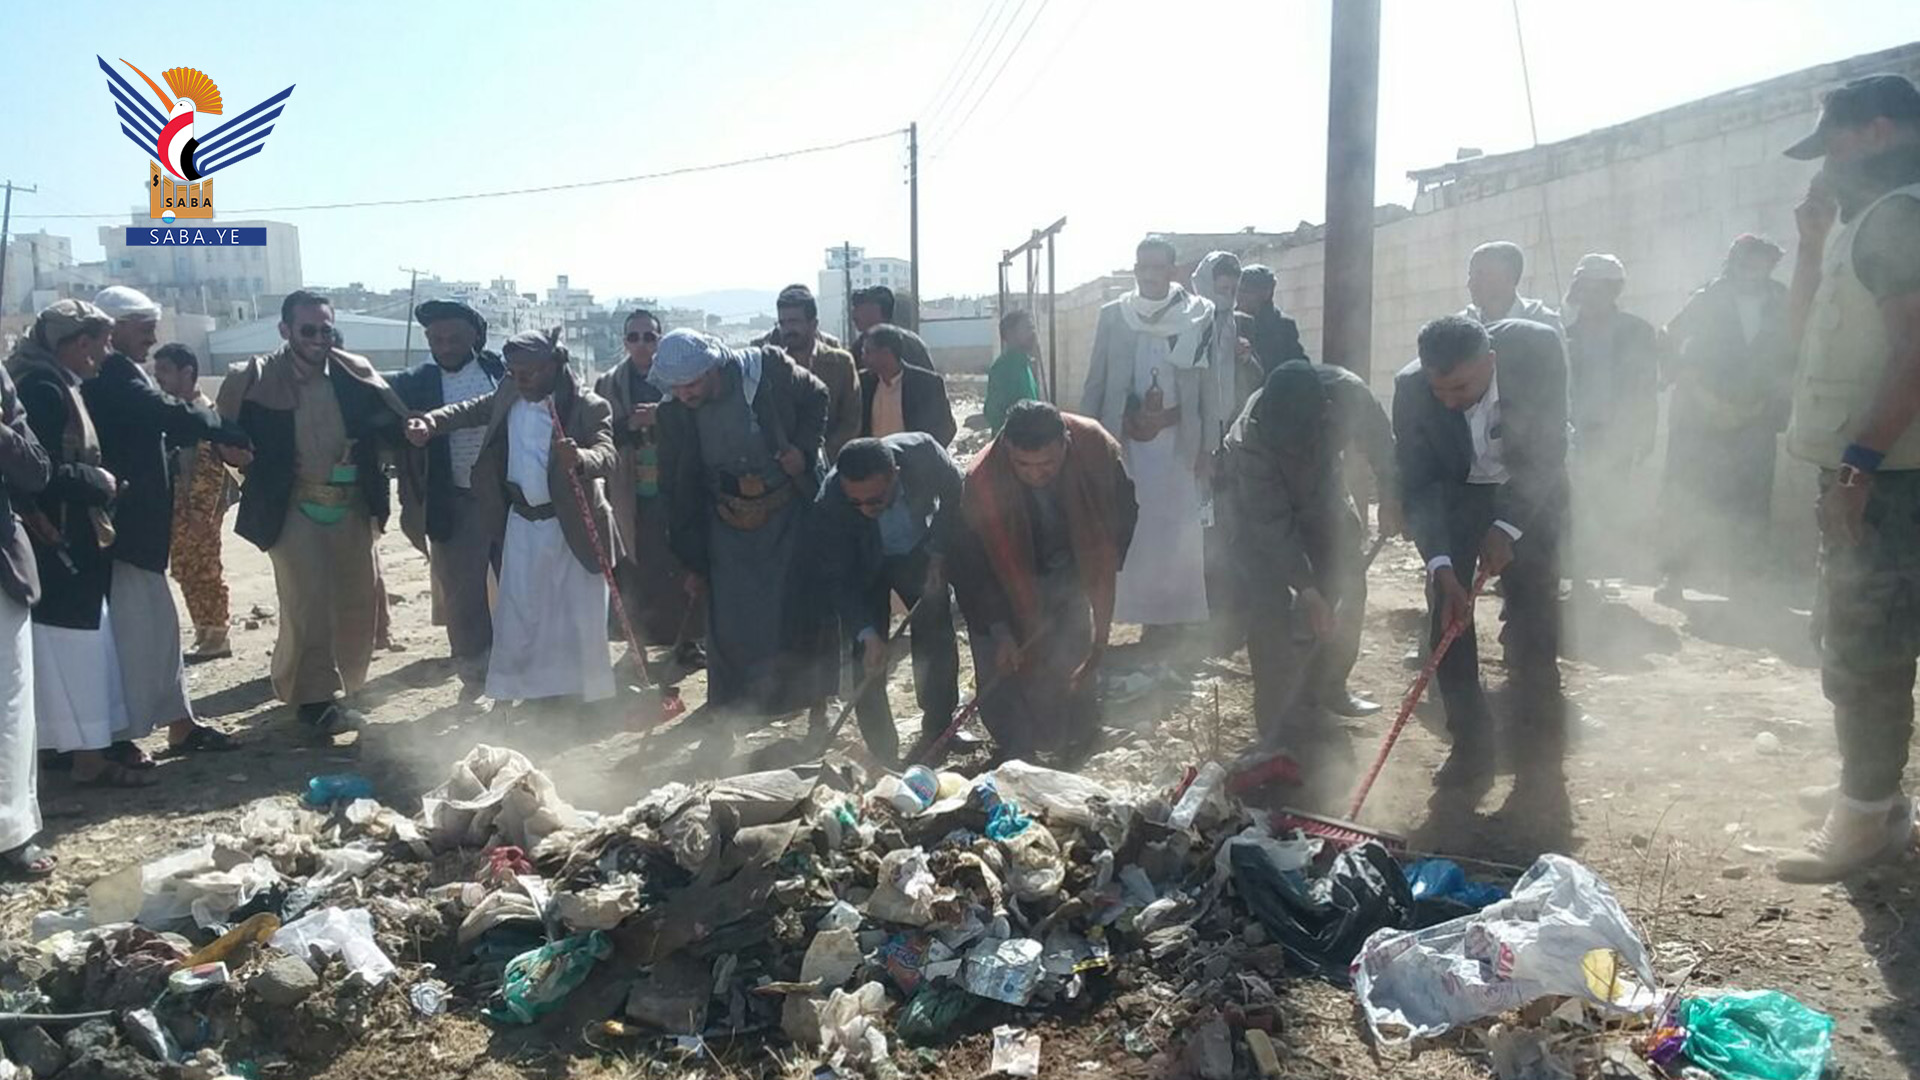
857, 922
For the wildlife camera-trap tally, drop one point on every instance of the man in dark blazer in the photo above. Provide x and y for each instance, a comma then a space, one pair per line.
1480, 429
885, 519
438, 509
896, 396
137, 421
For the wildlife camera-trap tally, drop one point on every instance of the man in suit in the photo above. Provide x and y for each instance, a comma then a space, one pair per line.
1480, 429
437, 501
543, 433
136, 420
873, 307
886, 518
897, 396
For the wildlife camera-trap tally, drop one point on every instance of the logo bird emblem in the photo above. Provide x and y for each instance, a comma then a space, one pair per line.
170, 137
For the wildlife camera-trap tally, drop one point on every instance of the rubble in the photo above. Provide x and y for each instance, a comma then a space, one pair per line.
803, 906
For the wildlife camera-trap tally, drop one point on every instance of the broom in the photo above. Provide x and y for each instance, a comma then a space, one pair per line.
866, 683
670, 703
1347, 832
967, 711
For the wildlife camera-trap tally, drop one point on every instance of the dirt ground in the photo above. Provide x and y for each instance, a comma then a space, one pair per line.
1701, 723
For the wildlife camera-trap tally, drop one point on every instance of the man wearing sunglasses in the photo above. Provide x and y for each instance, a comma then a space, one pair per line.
438, 511
887, 515
314, 497
652, 581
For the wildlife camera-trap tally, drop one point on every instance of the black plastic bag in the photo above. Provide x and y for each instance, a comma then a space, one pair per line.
1323, 921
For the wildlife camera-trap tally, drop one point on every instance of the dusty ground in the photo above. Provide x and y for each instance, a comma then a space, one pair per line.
1677, 803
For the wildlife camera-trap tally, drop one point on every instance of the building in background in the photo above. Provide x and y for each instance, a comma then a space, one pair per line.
382, 341
844, 263
227, 283
39, 268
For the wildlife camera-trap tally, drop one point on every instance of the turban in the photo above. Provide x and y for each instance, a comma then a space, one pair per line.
539, 344
434, 310
63, 319
1599, 268
120, 302
685, 355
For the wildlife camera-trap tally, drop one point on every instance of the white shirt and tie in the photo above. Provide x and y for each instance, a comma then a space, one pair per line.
1489, 464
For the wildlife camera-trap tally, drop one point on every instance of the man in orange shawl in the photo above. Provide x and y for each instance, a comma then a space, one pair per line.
1048, 513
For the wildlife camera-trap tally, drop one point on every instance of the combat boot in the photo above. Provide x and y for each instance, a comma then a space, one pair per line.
1849, 841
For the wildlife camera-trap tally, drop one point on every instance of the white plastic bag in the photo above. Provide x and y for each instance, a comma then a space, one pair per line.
849, 1030
494, 793
907, 889
1561, 933
1065, 798
333, 930
1035, 867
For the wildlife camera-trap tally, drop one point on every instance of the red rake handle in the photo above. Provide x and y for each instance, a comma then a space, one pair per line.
600, 552
1409, 703
967, 711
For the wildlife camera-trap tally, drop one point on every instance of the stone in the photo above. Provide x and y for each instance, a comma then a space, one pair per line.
116, 1063
1210, 1051
92, 1035
1265, 1058
286, 980
34, 1049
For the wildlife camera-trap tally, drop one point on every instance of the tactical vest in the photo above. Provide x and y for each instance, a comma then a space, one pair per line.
1842, 359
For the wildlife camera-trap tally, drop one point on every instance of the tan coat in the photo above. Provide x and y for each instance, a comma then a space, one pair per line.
845, 414
586, 419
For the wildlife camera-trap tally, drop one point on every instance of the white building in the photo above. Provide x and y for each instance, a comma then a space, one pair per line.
385, 342
39, 264
852, 262
225, 282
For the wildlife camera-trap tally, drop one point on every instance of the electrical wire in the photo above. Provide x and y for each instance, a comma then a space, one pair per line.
571, 186
1533, 125
1039, 72
953, 106
991, 83
964, 60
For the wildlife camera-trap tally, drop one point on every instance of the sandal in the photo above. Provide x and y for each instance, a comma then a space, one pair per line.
129, 754
203, 740
338, 720
116, 775
30, 860
56, 761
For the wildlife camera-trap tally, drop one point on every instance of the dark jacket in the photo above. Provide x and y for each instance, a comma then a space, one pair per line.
1435, 448
791, 407
1276, 339
24, 472
913, 353
74, 568
137, 422
372, 414
849, 541
427, 494
584, 418
923, 403
1293, 508
1613, 381
1726, 381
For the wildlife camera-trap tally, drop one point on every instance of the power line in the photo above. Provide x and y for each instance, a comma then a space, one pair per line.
572, 186
1040, 70
986, 58
961, 61
991, 83
1526, 82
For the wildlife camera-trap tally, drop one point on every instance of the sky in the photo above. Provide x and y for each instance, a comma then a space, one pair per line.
1124, 117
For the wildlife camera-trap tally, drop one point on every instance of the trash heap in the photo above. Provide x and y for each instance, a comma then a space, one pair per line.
860, 924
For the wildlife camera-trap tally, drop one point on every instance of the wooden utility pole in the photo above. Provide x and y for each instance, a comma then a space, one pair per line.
1353, 106
6, 221
413, 287
846, 288
913, 219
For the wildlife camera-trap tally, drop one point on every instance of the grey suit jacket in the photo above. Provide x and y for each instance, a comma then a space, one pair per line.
849, 541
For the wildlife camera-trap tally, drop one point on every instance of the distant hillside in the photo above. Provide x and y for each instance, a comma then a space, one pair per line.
727, 303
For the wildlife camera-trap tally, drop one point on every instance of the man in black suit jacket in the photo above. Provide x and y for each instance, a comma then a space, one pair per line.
885, 520
1480, 428
897, 396
439, 511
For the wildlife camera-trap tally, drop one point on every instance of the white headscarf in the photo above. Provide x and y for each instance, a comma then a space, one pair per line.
122, 302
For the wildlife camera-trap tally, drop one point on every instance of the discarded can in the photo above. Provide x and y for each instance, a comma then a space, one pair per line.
333, 787
918, 787
429, 998
187, 980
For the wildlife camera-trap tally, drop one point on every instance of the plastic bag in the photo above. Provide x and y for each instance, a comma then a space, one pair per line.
1065, 798
335, 931
1442, 879
1759, 1035
1561, 933
906, 891
832, 958
931, 1016
537, 982
1322, 922
849, 1026
494, 793
762, 798
1005, 970
1035, 867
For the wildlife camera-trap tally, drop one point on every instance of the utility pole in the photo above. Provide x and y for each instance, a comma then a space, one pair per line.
913, 218
413, 286
846, 289
1353, 105
6, 221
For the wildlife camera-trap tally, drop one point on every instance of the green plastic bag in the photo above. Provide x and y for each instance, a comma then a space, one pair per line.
933, 1013
538, 981
1756, 1035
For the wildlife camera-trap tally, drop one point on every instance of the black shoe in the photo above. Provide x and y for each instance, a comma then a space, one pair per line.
690, 656
1467, 769
1346, 703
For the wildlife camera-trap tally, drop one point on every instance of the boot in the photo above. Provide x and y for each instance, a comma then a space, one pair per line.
1817, 800
209, 643
1468, 770
1850, 841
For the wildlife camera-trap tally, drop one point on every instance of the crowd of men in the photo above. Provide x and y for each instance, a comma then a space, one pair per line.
763, 512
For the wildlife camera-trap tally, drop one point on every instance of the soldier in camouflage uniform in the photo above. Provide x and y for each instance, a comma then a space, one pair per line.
1855, 402
203, 486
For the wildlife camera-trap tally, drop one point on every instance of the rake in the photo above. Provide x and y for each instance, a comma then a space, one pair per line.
1347, 832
